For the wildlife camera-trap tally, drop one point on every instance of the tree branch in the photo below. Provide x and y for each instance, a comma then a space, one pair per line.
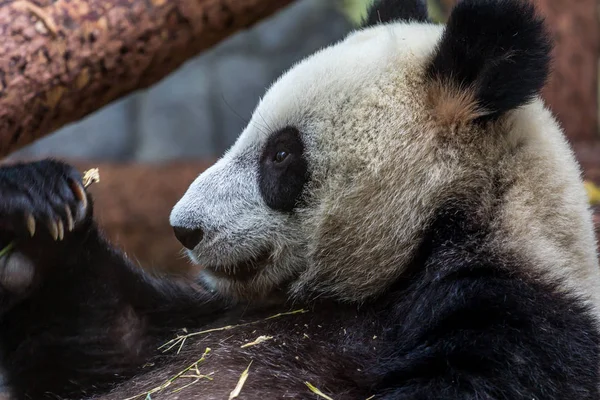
60, 60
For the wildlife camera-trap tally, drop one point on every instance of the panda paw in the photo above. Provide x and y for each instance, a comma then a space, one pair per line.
41, 199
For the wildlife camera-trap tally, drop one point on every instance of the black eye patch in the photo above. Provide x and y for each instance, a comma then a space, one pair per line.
283, 170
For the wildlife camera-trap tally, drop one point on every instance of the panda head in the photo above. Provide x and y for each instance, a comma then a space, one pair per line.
347, 158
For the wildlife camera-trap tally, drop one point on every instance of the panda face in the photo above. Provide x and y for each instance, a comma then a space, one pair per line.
266, 207
244, 211
332, 187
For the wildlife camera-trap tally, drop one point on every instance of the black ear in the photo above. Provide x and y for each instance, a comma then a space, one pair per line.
384, 11
497, 50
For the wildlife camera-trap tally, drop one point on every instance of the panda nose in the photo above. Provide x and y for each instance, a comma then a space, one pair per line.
188, 237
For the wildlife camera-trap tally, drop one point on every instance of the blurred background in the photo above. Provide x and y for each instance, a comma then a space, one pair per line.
150, 145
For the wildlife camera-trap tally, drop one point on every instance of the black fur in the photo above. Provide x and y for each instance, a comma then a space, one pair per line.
65, 336
26, 190
472, 326
386, 11
498, 48
281, 183
463, 323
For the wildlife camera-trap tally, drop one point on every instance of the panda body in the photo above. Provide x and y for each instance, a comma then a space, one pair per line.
405, 188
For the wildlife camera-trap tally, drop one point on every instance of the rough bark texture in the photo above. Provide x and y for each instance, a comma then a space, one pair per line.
133, 203
63, 59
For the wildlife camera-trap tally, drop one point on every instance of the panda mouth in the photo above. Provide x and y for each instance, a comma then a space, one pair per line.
241, 271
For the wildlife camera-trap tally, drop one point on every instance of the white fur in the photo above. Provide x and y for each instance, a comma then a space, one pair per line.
380, 167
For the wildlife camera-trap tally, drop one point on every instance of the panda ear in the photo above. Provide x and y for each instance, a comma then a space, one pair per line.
385, 11
493, 57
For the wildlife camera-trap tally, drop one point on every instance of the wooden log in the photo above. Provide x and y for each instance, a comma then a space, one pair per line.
60, 60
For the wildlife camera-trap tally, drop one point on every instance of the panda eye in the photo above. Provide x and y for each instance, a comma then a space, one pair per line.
281, 156
283, 170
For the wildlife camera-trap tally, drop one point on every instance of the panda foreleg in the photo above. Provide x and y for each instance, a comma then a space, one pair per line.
76, 315
479, 330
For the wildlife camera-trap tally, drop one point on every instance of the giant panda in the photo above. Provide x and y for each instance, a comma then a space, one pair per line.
402, 218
